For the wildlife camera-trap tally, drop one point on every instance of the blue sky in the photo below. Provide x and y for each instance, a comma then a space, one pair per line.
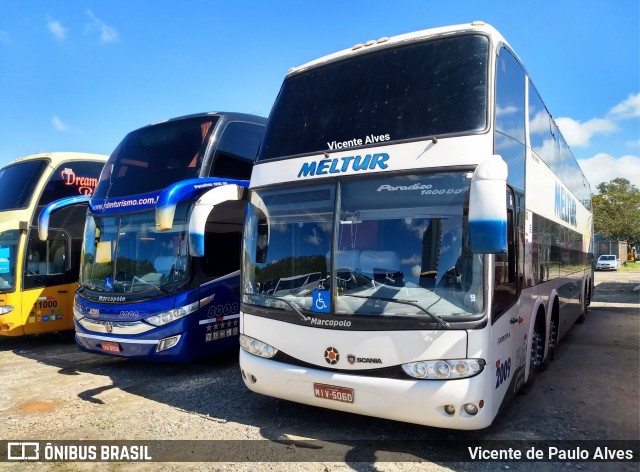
78, 75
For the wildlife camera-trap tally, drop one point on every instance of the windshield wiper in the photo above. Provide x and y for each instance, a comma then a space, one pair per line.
144, 282
288, 302
441, 323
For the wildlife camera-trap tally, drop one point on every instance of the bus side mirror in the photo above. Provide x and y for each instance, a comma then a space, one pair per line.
262, 230
488, 208
262, 241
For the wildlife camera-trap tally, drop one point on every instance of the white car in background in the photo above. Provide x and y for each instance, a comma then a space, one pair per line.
607, 262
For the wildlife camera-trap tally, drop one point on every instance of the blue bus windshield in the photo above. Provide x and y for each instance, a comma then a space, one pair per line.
126, 255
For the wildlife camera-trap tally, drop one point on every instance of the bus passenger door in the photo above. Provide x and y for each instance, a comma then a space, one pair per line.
507, 321
47, 286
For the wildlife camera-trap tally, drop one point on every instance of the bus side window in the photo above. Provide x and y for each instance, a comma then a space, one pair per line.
237, 150
47, 261
505, 265
217, 262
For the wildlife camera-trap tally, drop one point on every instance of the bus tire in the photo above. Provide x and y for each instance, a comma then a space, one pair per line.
537, 354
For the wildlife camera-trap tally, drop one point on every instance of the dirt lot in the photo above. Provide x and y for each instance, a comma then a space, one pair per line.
50, 391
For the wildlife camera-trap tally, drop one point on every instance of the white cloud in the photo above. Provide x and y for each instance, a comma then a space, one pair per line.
508, 110
108, 34
627, 108
4, 37
313, 239
414, 259
604, 168
633, 144
579, 134
59, 125
58, 31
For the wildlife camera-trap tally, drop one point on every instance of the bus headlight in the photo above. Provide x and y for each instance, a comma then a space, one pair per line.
257, 348
444, 369
169, 316
77, 313
5, 309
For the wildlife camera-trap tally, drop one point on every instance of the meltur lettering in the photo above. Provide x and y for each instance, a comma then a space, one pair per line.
344, 164
565, 205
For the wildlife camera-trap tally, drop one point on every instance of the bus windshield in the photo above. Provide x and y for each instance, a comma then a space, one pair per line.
155, 157
126, 255
18, 183
399, 248
8, 259
421, 89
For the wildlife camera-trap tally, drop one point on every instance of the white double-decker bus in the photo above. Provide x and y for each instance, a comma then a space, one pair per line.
418, 234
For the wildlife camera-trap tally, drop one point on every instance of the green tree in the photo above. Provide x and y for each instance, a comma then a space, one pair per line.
616, 211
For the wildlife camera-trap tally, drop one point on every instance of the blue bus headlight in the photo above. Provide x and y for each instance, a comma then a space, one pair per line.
444, 369
77, 312
169, 316
257, 348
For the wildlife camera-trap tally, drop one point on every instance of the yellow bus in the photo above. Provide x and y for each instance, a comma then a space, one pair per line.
38, 278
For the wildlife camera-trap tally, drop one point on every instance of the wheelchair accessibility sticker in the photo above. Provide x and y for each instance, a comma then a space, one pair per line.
321, 301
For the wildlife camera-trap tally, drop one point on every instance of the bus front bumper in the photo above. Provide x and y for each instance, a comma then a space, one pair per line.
164, 345
411, 401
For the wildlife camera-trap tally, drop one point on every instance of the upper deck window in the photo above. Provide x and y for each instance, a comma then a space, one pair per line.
412, 91
70, 179
154, 157
18, 183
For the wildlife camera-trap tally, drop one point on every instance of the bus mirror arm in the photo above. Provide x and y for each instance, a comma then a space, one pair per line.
202, 209
45, 214
487, 207
187, 191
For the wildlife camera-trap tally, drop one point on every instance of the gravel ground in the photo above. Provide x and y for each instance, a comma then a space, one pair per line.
52, 392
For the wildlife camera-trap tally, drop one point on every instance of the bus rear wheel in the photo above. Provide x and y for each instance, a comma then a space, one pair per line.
537, 355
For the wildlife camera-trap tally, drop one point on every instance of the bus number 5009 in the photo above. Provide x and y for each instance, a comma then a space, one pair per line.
503, 370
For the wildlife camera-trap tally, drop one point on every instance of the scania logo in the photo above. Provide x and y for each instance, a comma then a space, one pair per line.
331, 355
108, 327
363, 360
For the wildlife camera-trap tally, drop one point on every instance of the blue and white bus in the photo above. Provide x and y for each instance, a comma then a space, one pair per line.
428, 225
142, 292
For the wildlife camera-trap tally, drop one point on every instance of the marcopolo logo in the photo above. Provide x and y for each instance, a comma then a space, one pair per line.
339, 165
